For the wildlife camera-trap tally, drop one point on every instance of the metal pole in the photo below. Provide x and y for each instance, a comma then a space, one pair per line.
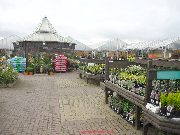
26, 53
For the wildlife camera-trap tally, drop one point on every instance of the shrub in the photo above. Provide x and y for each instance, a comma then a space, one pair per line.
177, 101
163, 100
29, 69
8, 75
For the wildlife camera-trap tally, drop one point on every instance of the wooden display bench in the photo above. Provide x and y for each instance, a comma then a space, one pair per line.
89, 76
132, 97
171, 125
162, 123
160, 63
102, 85
122, 92
81, 73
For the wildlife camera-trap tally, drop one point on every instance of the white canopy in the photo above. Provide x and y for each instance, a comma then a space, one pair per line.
45, 32
152, 44
7, 43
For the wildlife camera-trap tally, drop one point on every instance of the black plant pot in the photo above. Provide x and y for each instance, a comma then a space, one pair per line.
169, 114
127, 116
110, 105
124, 114
118, 111
163, 111
121, 112
177, 113
141, 123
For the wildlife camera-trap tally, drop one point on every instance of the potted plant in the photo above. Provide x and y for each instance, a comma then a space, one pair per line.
50, 71
163, 103
177, 104
170, 105
30, 70
25, 72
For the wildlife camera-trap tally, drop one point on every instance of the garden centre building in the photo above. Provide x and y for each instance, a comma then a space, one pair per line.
44, 40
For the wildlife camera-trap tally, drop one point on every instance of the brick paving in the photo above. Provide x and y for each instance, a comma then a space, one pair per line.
61, 104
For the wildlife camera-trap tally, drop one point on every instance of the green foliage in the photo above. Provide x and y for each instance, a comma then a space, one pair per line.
163, 100
50, 69
132, 78
134, 69
172, 99
177, 101
8, 75
96, 69
73, 63
122, 104
131, 58
29, 69
45, 61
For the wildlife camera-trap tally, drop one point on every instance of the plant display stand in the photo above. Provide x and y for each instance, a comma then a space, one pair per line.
60, 63
171, 124
102, 85
110, 88
18, 63
158, 72
86, 75
160, 122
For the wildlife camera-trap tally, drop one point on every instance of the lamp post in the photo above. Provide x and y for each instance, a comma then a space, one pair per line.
117, 52
127, 55
26, 53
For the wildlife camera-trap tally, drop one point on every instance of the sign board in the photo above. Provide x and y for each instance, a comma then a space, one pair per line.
168, 75
91, 64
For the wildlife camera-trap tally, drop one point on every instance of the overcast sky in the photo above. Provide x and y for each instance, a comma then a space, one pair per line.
91, 21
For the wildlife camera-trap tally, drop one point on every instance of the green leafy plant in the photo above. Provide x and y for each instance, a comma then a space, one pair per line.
171, 99
50, 69
96, 69
163, 100
177, 101
8, 75
29, 69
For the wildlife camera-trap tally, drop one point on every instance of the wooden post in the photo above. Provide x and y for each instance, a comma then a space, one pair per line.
137, 118
26, 53
106, 68
80, 75
106, 95
145, 128
149, 83
87, 79
86, 62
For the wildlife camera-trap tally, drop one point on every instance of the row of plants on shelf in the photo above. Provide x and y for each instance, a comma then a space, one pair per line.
82, 67
170, 104
93, 69
96, 69
123, 107
41, 64
73, 63
8, 75
163, 86
165, 97
132, 78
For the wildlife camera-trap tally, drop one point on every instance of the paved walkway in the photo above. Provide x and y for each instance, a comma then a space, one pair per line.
61, 104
